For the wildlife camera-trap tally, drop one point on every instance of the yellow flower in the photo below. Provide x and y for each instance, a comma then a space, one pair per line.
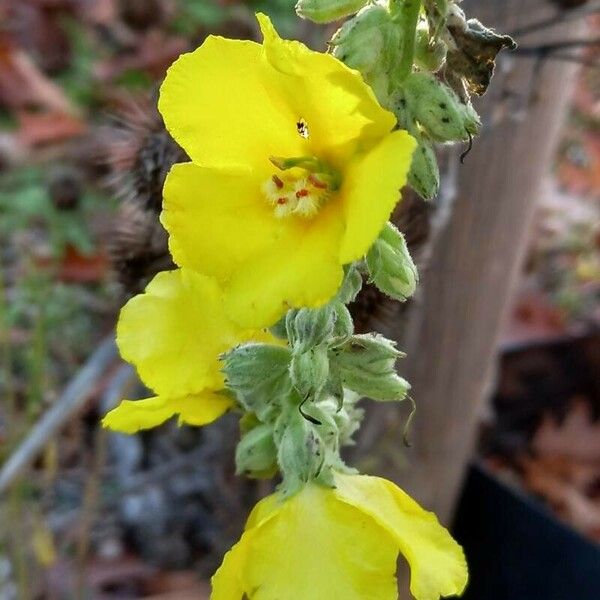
295, 169
174, 333
325, 544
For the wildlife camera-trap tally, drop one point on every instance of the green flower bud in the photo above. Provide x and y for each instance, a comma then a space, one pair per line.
309, 327
344, 326
259, 375
310, 371
438, 109
366, 365
301, 453
424, 175
327, 11
256, 453
390, 265
430, 53
351, 285
369, 43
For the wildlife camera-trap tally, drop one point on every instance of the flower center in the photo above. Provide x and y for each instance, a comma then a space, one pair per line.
300, 187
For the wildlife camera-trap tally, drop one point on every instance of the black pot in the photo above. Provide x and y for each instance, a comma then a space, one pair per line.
517, 549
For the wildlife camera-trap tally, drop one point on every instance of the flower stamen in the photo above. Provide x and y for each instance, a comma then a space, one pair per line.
293, 192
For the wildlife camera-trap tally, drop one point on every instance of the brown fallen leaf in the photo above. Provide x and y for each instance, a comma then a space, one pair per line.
23, 85
37, 129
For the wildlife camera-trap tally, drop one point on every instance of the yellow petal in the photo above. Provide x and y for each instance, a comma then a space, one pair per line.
313, 547
217, 218
222, 106
227, 582
371, 190
199, 409
437, 562
263, 510
334, 100
175, 332
301, 269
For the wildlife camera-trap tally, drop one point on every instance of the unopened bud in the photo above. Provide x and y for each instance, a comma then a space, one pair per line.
309, 327
301, 453
344, 326
366, 364
438, 109
351, 284
259, 375
430, 53
390, 265
327, 11
424, 175
310, 371
369, 42
256, 454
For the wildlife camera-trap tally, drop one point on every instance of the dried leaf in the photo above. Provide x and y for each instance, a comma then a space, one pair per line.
474, 59
23, 85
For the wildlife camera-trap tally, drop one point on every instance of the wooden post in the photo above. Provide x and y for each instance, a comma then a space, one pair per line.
468, 285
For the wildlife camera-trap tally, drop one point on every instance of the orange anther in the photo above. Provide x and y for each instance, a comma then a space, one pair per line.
317, 183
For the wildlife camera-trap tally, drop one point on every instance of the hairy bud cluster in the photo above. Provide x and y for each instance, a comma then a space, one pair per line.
300, 398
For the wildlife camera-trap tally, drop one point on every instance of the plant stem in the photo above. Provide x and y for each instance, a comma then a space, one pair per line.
406, 14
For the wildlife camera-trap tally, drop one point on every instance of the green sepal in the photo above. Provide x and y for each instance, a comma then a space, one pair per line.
279, 330
366, 365
309, 371
259, 375
256, 453
351, 284
301, 453
344, 326
309, 327
424, 174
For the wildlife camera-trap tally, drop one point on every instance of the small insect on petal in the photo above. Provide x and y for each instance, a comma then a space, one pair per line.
302, 127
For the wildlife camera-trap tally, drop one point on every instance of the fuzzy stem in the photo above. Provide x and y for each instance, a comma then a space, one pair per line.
406, 14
